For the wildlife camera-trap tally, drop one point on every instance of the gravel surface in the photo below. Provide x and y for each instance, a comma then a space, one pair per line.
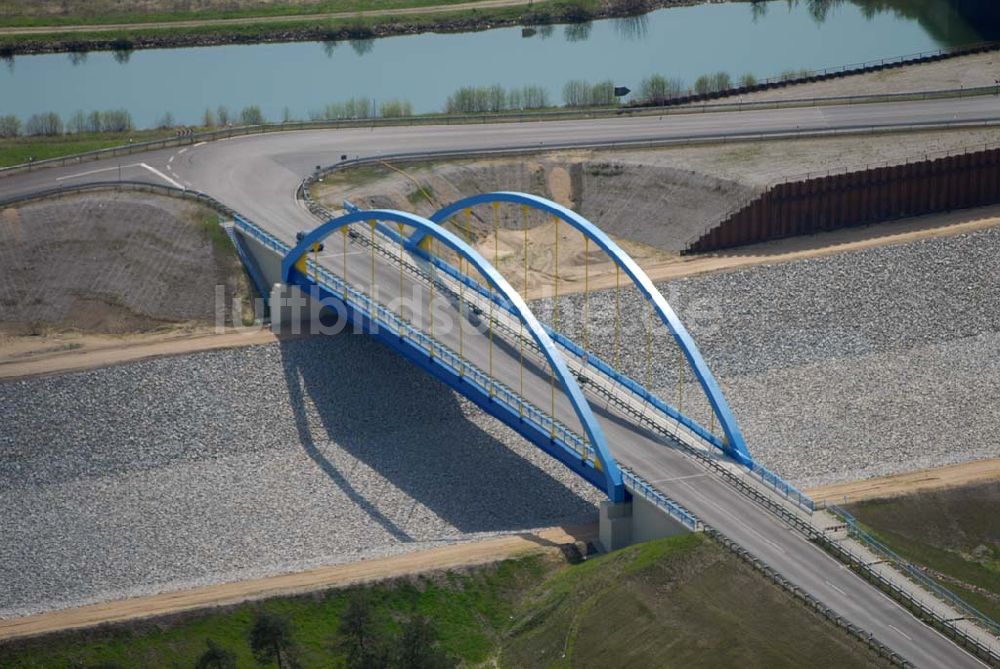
840, 367
227, 465
233, 464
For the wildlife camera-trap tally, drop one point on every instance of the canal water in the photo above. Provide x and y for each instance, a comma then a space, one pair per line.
762, 38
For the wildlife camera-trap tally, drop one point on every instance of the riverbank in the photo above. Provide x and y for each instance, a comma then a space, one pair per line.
404, 18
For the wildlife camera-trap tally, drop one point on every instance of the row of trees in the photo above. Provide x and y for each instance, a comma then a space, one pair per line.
222, 116
493, 99
362, 108
466, 100
578, 93
658, 89
50, 123
363, 641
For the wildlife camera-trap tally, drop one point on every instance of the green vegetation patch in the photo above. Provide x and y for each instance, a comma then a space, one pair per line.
677, 602
954, 532
17, 150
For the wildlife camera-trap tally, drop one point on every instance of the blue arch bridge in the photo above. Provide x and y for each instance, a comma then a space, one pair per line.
426, 288
430, 290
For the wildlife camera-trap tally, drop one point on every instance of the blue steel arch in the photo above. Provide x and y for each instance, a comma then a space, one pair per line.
614, 486
734, 444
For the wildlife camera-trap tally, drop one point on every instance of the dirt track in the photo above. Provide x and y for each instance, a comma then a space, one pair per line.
259, 20
451, 556
923, 480
60, 354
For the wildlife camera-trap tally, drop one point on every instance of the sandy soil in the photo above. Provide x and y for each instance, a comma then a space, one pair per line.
41, 356
923, 480
652, 202
963, 72
111, 264
582, 265
452, 556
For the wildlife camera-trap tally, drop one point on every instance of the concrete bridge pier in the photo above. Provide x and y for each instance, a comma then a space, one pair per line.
290, 309
622, 524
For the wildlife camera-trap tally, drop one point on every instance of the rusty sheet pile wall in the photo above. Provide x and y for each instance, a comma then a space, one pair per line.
859, 198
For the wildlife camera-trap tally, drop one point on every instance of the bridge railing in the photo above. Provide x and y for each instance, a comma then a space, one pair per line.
498, 391
864, 636
766, 476
855, 531
435, 349
640, 487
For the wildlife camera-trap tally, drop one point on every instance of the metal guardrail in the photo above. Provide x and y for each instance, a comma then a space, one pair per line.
874, 644
915, 605
512, 401
144, 186
912, 571
386, 318
486, 118
640, 487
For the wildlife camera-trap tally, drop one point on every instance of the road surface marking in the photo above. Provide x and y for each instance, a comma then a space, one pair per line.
900, 632
163, 176
181, 152
88, 173
836, 588
170, 159
199, 144
679, 478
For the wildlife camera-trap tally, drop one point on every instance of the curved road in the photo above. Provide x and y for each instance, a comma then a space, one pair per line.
258, 176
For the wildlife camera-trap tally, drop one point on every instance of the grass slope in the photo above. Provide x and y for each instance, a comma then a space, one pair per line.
955, 532
678, 602
17, 150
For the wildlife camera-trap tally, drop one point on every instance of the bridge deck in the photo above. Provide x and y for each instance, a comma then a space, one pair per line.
653, 457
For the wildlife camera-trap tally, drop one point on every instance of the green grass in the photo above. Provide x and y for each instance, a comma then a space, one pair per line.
421, 194
677, 602
208, 221
23, 14
544, 11
954, 531
17, 150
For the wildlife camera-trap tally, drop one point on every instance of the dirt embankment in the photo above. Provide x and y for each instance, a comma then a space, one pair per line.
81, 271
651, 201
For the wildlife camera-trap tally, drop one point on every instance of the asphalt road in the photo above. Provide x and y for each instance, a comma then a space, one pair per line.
258, 176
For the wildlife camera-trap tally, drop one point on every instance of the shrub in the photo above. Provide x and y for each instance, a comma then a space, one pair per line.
657, 89
48, 124
602, 93
166, 121
576, 93
77, 123
395, 108
119, 120
251, 116
721, 81
10, 126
